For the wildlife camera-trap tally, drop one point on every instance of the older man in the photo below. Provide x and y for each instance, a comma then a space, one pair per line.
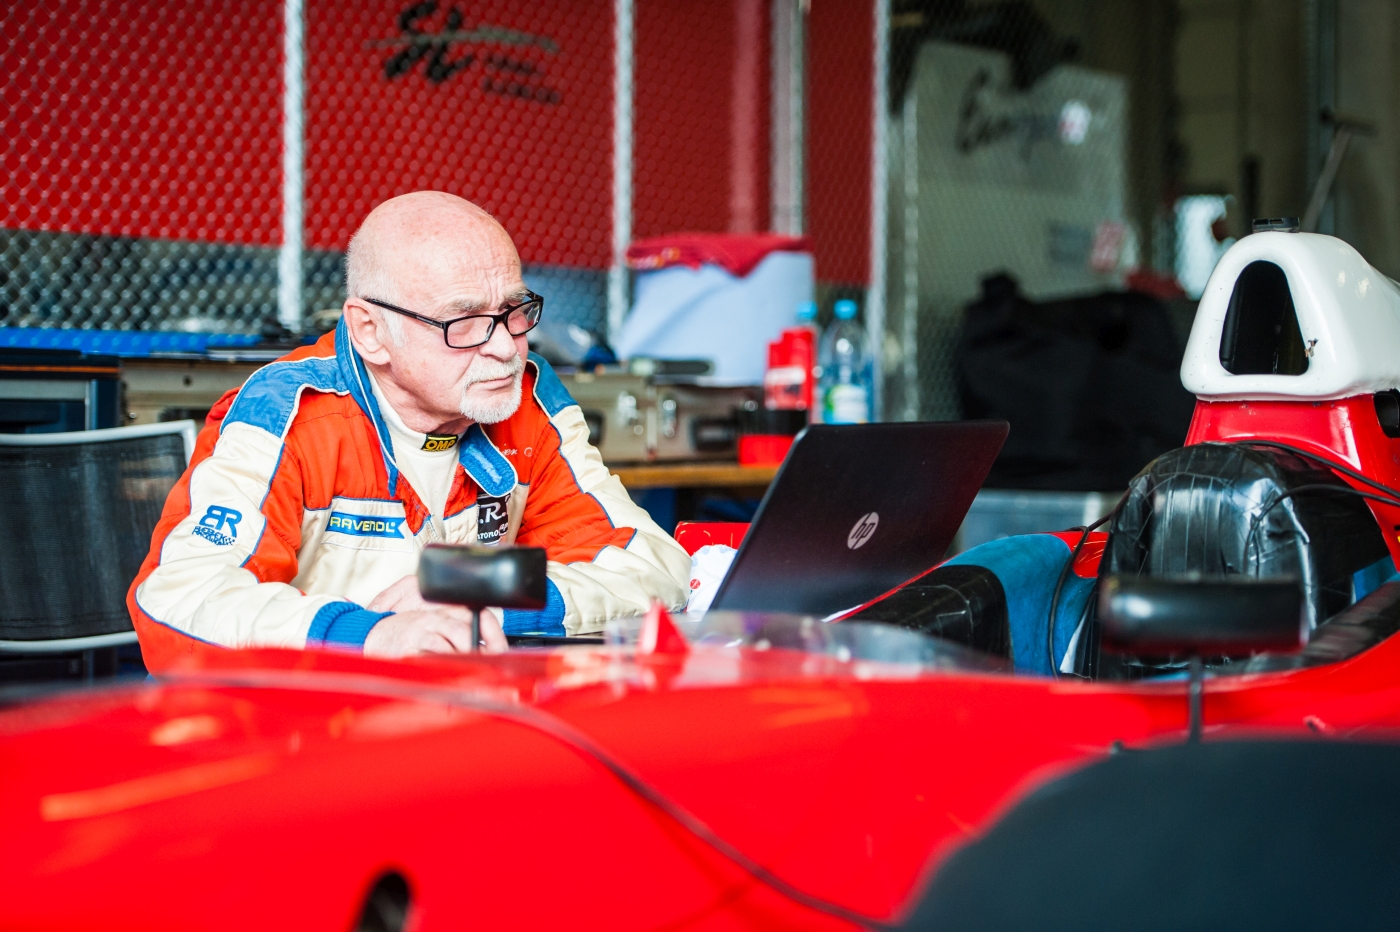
422, 418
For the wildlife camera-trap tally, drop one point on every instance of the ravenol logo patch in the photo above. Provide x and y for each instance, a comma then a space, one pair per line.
361, 526
436, 443
211, 526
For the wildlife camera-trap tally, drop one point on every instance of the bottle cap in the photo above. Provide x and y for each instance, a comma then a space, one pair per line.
807, 311
845, 309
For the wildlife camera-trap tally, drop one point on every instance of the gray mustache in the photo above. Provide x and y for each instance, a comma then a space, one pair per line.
488, 370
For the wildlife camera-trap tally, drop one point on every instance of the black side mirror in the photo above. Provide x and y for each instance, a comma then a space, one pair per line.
1200, 617
477, 577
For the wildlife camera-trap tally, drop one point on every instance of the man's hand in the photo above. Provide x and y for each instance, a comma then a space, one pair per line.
421, 627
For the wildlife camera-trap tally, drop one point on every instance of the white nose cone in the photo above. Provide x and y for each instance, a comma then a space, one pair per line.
1346, 340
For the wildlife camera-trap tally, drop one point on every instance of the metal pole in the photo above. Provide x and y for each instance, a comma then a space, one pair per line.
622, 165
1320, 23
910, 335
879, 170
789, 79
1323, 190
1195, 699
476, 628
289, 310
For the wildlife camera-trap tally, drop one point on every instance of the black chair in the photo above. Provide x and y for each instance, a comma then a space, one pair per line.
78, 512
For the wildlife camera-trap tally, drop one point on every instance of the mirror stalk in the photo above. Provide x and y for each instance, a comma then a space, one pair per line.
1196, 699
1200, 616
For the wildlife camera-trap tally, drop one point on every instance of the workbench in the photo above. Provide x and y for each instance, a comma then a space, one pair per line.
694, 476
673, 492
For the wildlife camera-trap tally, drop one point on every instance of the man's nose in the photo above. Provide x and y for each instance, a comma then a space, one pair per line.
501, 345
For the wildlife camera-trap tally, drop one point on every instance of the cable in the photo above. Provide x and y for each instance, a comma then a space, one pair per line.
1060, 584
548, 725
1311, 487
1330, 464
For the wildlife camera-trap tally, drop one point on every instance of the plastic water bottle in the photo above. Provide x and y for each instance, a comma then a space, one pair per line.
845, 369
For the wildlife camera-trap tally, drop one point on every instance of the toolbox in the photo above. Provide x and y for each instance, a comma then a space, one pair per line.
639, 419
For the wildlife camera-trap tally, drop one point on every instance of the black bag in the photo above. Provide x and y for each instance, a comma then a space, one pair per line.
1091, 385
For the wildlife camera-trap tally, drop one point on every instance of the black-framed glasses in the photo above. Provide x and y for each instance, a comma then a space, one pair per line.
476, 329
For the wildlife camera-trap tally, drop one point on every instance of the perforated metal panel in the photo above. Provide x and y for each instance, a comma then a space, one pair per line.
78, 523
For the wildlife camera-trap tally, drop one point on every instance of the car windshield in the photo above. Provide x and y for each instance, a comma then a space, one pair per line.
854, 640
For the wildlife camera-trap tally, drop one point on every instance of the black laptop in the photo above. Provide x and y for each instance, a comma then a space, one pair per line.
857, 509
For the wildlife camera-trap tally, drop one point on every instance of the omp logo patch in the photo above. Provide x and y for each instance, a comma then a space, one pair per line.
216, 519
862, 532
436, 443
492, 518
361, 526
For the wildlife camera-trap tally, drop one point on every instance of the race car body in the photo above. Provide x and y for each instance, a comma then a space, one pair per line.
752, 771
277, 790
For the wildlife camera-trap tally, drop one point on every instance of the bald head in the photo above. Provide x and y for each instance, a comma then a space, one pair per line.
411, 239
440, 258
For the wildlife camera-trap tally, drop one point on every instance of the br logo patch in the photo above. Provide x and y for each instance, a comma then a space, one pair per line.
436, 443
492, 518
864, 530
216, 520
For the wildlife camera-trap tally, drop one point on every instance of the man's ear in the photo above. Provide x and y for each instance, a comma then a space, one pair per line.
368, 332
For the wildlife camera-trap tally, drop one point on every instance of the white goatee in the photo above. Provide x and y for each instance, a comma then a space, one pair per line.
498, 407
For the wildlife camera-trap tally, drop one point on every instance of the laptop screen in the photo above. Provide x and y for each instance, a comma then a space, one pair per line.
856, 510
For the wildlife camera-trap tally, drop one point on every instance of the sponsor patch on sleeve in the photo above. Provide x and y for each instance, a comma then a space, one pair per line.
436, 443
219, 525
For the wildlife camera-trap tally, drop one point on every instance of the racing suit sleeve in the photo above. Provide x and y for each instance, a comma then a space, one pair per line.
607, 558
225, 550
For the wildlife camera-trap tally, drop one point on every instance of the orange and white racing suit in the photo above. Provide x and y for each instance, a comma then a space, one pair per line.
293, 514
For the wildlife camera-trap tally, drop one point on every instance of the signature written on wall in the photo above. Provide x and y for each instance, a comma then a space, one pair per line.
451, 50
979, 127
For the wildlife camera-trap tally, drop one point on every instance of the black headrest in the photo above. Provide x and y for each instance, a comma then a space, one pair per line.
1223, 509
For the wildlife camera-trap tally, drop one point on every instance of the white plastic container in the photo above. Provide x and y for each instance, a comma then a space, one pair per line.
708, 313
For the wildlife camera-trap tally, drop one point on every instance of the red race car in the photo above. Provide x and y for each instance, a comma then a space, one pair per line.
770, 771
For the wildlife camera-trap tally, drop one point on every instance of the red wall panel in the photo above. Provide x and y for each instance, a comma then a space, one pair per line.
694, 124
840, 95
143, 118
162, 118
521, 124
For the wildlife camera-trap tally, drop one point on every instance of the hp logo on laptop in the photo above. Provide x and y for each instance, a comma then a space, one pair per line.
863, 531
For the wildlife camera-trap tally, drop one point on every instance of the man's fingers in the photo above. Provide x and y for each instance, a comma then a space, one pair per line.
443, 629
436, 642
393, 597
456, 631
492, 632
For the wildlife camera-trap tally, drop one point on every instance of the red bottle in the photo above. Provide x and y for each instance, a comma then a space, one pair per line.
787, 385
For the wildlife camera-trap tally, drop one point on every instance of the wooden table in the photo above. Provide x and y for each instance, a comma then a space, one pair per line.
694, 476
692, 483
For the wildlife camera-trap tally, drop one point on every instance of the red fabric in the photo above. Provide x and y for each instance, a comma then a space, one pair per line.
739, 254
764, 449
1156, 284
692, 535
